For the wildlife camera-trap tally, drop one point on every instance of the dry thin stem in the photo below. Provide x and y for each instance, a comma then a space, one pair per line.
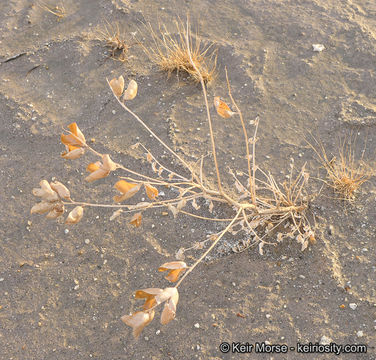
207, 108
246, 140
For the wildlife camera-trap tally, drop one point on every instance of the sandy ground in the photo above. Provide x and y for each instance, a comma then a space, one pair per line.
53, 72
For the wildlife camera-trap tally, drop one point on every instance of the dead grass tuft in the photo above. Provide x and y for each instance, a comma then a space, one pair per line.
115, 40
170, 53
345, 173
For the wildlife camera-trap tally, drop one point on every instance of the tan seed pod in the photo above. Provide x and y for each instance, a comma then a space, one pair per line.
96, 175
174, 269
61, 190
73, 154
42, 208
117, 85
131, 91
75, 215
57, 211
45, 192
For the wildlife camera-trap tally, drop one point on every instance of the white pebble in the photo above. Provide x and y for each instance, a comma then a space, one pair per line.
66, 231
353, 306
87, 241
318, 47
360, 333
197, 325
157, 332
268, 316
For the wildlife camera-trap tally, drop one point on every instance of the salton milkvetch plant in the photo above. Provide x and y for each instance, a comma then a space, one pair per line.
262, 205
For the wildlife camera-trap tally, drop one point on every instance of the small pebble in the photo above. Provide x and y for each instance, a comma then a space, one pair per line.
353, 306
360, 333
318, 47
87, 241
268, 316
157, 332
197, 325
66, 231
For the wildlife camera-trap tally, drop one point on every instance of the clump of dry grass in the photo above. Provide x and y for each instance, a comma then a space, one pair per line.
170, 53
345, 173
115, 40
262, 208
57, 10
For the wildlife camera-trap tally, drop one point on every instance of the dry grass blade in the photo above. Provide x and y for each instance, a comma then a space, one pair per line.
170, 53
57, 10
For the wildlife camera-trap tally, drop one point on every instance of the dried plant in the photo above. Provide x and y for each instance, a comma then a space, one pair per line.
170, 53
115, 40
265, 211
57, 10
344, 174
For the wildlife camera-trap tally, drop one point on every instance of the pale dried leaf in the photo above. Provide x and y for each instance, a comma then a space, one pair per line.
173, 209
154, 166
211, 206
181, 204
261, 245
151, 192
149, 158
128, 190
140, 205
222, 108
115, 214
168, 313
138, 321
136, 219
195, 205
168, 293
180, 254
239, 187
108, 164
304, 245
